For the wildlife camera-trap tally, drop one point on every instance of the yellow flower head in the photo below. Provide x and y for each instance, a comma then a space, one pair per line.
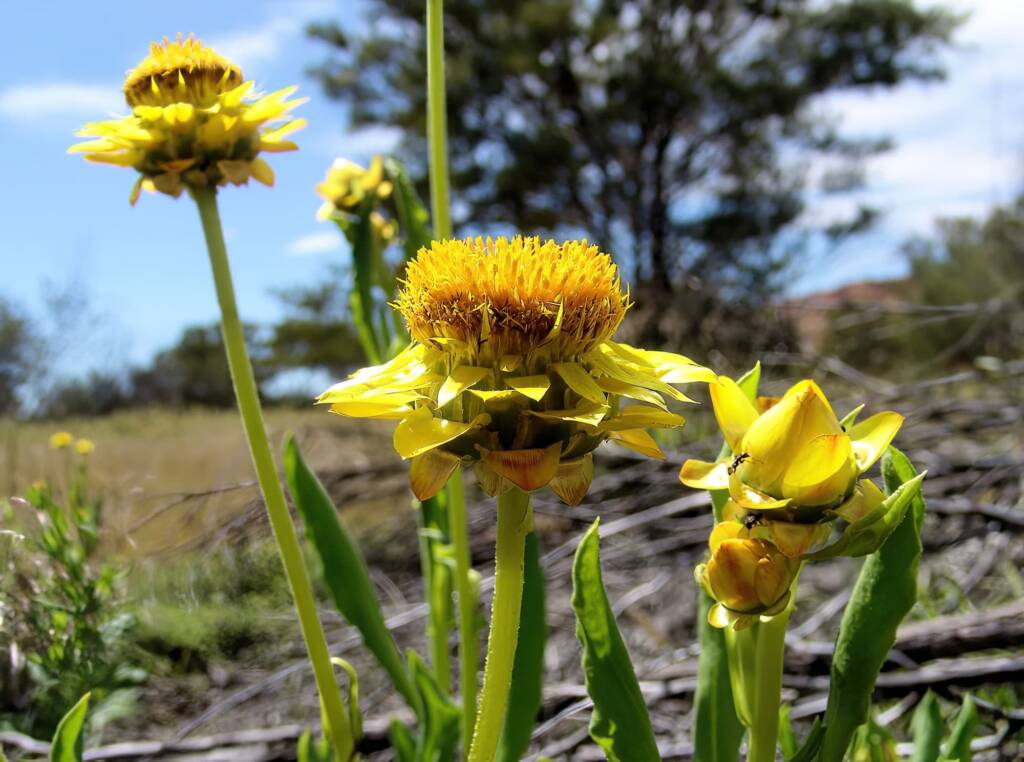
792, 462
512, 367
193, 123
748, 577
347, 186
61, 440
84, 446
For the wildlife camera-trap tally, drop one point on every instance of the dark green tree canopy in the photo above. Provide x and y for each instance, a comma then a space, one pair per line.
675, 134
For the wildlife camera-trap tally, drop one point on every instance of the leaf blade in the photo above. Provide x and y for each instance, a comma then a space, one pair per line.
67, 740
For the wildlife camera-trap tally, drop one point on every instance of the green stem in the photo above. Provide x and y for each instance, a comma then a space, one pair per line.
764, 729
266, 473
515, 520
437, 590
469, 647
437, 121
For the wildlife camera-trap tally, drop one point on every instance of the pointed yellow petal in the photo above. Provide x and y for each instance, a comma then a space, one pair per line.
700, 474
725, 530
733, 410
793, 540
527, 469
872, 435
642, 417
534, 387
429, 472
572, 480
262, 172
420, 431
866, 499
822, 472
677, 369
581, 382
586, 413
370, 409
621, 388
461, 379
752, 499
639, 441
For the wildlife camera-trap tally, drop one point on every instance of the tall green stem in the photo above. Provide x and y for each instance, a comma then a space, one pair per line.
767, 694
266, 473
515, 521
437, 137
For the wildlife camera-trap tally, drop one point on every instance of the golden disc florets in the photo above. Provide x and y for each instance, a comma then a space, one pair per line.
505, 296
180, 71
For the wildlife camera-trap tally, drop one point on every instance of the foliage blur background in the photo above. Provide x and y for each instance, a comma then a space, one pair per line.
834, 187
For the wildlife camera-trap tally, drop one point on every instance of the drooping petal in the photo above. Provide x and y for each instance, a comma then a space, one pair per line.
429, 472
872, 435
622, 389
700, 474
639, 441
733, 410
376, 407
461, 378
865, 501
527, 469
420, 431
586, 413
793, 540
753, 499
641, 417
572, 480
581, 382
534, 387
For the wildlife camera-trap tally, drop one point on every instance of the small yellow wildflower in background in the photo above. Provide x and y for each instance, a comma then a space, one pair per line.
61, 440
194, 123
512, 368
84, 446
348, 185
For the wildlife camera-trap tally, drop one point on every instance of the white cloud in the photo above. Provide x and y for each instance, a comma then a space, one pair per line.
312, 244
363, 143
50, 99
257, 45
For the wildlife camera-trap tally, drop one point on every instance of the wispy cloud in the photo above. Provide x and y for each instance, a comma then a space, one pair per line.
312, 244
53, 99
264, 43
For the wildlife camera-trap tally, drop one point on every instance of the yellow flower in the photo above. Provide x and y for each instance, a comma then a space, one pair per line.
512, 367
61, 440
348, 185
84, 446
793, 461
194, 123
748, 577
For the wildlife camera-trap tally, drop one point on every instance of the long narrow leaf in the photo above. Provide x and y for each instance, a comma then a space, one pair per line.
883, 595
344, 569
68, 740
958, 745
717, 731
524, 698
927, 725
619, 723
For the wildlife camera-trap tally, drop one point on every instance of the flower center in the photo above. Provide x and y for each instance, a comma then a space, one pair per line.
509, 297
182, 71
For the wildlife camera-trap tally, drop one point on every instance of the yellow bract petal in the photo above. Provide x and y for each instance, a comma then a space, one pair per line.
872, 435
429, 472
581, 382
527, 469
642, 417
793, 540
733, 410
752, 499
621, 388
534, 387
572, 480
677, 369
866, 499
587, 413
261, 171
639, 441
370, 409
420, 431
460, 379
725, 530
700, 474
822, 472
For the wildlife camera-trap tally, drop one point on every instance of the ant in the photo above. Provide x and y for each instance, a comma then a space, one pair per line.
752, 520
736, 463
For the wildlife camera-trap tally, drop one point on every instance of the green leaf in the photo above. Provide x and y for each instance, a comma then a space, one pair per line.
927, 727
867, 534
363, 271
812, 743
313, 750
958, 745
345, 570
787, 738
413, 217
403, 741
619, 723
68, 740
750, 380
873, 743
439, 727
883, 595
717, 731
524, 697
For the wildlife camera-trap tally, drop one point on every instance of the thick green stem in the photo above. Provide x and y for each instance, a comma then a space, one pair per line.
469, 647
515, 520
767, 695
437, 121
266, 473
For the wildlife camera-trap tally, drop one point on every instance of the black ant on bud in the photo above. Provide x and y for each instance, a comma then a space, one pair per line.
736, 463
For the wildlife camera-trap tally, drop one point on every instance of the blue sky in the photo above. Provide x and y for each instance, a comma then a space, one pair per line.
960, 148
